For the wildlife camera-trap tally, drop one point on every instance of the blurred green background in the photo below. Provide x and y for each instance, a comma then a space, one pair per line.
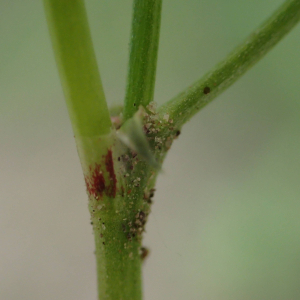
225, 223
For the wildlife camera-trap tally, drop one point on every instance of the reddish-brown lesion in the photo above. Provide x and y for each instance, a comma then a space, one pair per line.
109, 164
95, 182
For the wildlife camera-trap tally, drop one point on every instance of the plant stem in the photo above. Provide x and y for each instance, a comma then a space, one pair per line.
143, 55
181, 108
118, 184
118, 260
75, 57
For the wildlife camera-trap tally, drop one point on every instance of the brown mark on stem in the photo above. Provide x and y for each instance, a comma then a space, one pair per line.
206, 90
95, 182
109, 164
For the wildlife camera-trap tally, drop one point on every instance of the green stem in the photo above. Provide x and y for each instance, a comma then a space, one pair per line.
118, 185
118, 259
143, 55
181, 108
75, 57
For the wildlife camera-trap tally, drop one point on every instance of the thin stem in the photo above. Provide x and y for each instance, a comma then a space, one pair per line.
143, 55
181, 108
75, 57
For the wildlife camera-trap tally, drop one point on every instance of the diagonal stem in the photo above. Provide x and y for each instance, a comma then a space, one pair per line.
75, 57
181, 108
143, 55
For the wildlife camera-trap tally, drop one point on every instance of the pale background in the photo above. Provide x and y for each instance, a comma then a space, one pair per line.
225, 223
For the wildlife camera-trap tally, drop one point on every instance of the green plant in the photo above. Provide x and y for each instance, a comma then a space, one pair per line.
121, 160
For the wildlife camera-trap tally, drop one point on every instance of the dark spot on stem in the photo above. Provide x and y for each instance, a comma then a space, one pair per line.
142, 217
144, 252
206, 90
152, 193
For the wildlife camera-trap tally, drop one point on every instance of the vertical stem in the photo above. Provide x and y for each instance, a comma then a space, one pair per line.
116, 184
118, 266
75, 57
143, 55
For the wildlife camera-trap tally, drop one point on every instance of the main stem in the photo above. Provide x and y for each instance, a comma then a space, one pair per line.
115, 203
110, 197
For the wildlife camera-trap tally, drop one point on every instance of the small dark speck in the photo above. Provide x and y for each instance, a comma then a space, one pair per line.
178, 132
133, 104
103, 243
206, 90
119, 158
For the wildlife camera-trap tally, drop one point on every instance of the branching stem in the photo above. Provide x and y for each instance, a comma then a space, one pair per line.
181, 108
119, 181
